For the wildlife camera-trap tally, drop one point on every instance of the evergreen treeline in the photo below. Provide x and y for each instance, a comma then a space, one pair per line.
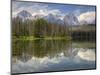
38, 28
84, 33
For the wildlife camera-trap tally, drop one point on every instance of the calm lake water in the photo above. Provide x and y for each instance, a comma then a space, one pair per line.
52, 55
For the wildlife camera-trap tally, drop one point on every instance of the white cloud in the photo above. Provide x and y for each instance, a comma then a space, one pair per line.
34, 9
88, 17
87, 55
77, 12
46, 11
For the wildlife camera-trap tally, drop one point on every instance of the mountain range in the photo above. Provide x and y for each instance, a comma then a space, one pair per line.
69, 19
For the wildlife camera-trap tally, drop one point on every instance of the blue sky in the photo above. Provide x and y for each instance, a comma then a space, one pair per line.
70, 8
81, 11
63, 8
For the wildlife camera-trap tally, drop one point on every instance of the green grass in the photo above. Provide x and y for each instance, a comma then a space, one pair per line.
40, 38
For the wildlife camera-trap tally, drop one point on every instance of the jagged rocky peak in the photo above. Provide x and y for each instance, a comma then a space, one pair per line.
71, 19
24, 14
53, 18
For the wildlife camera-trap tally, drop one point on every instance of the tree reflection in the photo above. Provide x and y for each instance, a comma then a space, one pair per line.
25, 50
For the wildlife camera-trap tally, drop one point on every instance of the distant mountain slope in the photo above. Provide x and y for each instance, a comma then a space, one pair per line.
69, 19
24, 15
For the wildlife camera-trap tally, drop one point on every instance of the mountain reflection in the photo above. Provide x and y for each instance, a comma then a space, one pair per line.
25, 50
52, 55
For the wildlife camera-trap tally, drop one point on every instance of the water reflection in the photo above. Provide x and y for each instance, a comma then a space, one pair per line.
51, 55
87, 54
39, 49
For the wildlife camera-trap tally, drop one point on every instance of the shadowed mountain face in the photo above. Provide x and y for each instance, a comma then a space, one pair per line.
53, 19
24, 15
69, 19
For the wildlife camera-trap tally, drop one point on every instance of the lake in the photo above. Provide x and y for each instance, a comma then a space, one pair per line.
52, 55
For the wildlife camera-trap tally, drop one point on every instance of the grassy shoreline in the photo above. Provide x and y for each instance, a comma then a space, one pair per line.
40, 38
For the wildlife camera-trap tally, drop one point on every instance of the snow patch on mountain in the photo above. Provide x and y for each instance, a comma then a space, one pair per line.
69, 19
53, 18
24, 15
